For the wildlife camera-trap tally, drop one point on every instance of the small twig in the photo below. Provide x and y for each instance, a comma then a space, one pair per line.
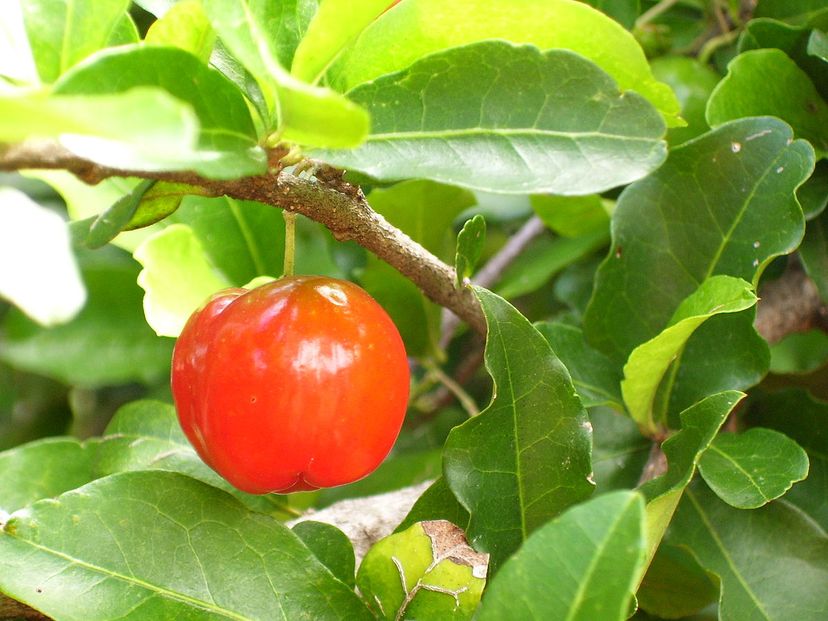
655, 466
654, 11
789, 304
454, 388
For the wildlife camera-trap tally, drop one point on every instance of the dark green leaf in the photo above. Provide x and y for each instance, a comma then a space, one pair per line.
227, 138
428, 571
470, 242
595, 377
814, 253
429, 26
43, 469
108, 342
466, 116
624, 12
64, 32
436, 503
793, 11
654, 262
582, 566
526, 457
813, 194
675, 585
699, 425
115, 219
95, 554
748, 470
791, 95
330, 546
809, 428
619, 451
746, 547
800, 352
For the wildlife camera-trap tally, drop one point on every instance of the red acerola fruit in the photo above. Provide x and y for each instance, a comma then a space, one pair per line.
299, 384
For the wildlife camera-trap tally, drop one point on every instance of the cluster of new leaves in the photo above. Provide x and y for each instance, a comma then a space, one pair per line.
669, 191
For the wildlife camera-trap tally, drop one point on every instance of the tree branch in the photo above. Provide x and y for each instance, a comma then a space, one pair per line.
789, 304
325, 197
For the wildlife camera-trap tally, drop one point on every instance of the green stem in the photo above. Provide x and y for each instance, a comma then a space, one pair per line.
456, 389
654, 12
290, 242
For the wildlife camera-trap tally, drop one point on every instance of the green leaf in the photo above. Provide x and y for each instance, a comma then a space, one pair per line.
594, 375
330, 546
39, 274
16, 61
793, 11
748, 470
582, 566
654, 264
799, 353
161, 200
436, 503
808, 429
111, 325
813, 194
814, 253
571, 216
818, 45
64, 32
692, 83
470, 242
619, 451
417, 28
161, 134
146, 435
699, 425
424, 210
624, 12
428, 571
648, 363
675, 585
227, 139
94, 554
184, 26
335, 26
467, 116
177, 278
526, 457
544, 258
746, 547
300, 112
42, 469
115, 219
791, 96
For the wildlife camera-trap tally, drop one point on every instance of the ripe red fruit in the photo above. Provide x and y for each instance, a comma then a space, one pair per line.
299, 384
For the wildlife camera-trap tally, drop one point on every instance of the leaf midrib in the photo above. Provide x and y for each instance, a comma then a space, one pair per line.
739, 468
505, 131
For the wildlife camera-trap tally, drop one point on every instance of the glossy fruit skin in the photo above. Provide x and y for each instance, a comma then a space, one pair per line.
298, 384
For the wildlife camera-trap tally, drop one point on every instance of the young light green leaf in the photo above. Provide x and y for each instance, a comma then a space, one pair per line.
791, 95
161, 135
115, 219
58, 546
335, 26
160, 201
745, 547
572, 216
417, 28
470, 241
330, 546
526, 457
818, 45
649, 362
595, 377
39, 273
699, 425
428, 571
465, 116
300, 112
227, 141
748, 470
774, 412
111, 324
185, 26
582, 566
43, 469
177, 277
16, 61
64, 32
653, 264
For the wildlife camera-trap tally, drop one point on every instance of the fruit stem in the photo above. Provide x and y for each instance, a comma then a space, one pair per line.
290, 242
